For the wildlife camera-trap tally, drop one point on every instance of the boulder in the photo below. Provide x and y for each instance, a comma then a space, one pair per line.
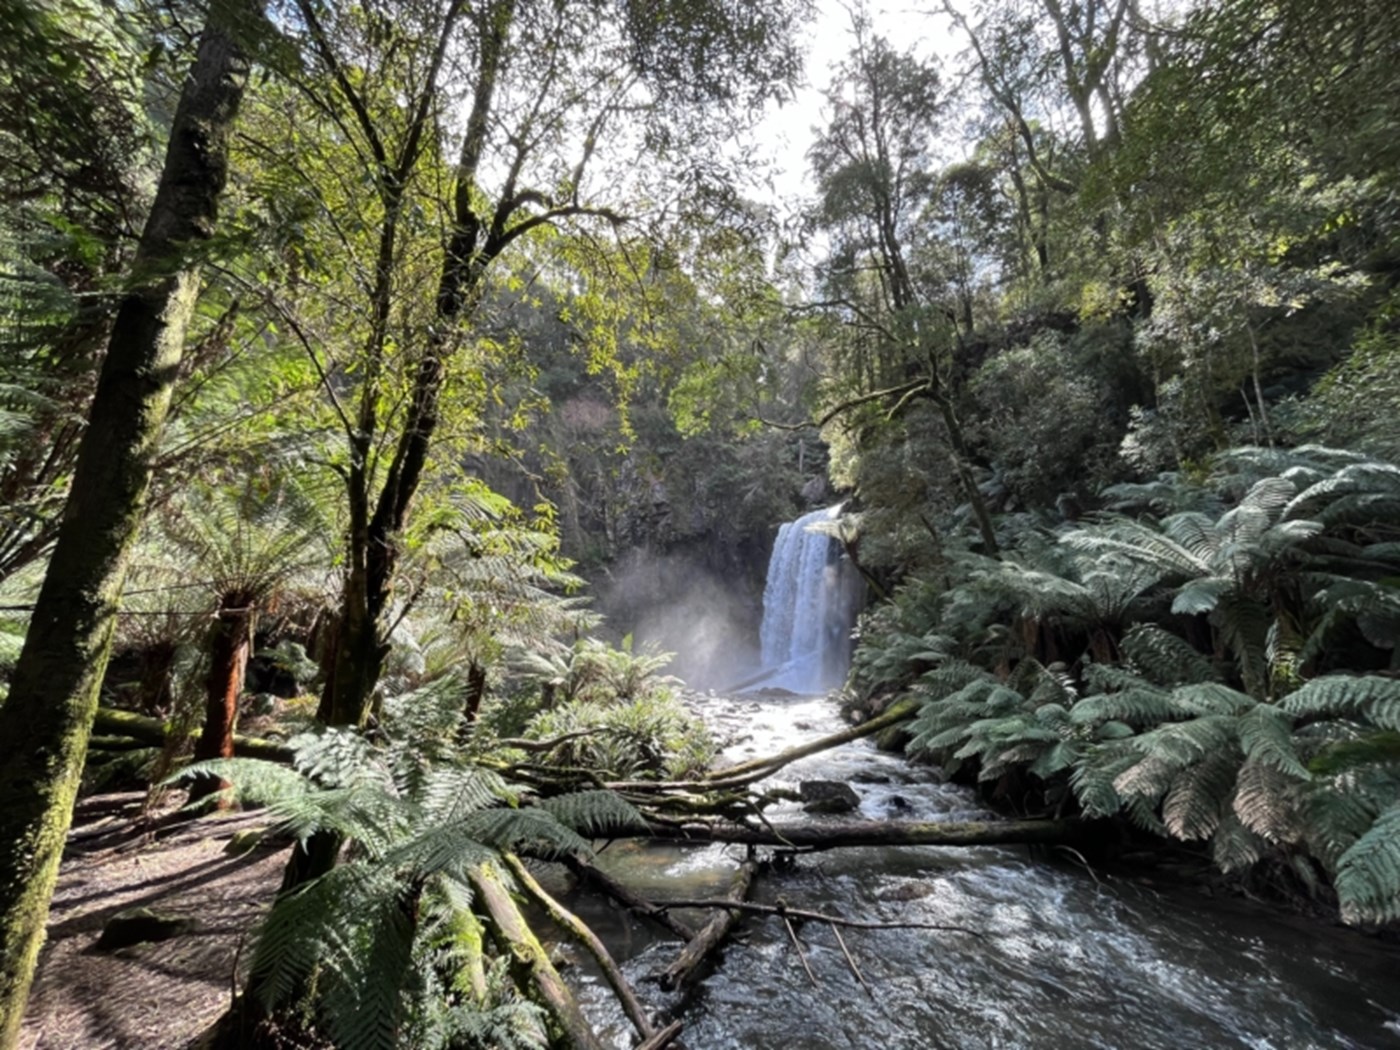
828, 796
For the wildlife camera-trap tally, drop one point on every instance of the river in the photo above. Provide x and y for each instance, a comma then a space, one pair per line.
1064, 957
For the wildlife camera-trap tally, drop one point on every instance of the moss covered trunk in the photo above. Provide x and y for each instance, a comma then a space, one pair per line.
46, 722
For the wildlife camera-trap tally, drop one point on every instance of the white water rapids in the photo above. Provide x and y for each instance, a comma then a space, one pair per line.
1063, 957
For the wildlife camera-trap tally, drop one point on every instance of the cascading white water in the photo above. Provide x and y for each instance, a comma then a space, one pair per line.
809, 607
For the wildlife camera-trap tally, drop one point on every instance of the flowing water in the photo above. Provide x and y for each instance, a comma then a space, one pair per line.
809, 605
1064, 959
1060, 957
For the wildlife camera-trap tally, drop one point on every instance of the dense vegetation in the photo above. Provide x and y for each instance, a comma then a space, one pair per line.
335, 338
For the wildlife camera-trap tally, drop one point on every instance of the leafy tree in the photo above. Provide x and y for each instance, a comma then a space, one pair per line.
47, 717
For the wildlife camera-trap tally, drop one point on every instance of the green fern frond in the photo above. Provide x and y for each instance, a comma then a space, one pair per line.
1368, 873
1150, 778
1198, 796
1264, 802
449, 793
1179, 744
364, 981
1093, 780
1234, 847
594, 813
1266, 736
1347, 696
1343, 755
1166, 657
252, 781
531, 831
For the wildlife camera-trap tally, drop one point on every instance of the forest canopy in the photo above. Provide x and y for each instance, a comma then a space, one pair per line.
345, 345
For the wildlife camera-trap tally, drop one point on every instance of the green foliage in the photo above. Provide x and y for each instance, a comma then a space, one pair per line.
1169, 668
372, 936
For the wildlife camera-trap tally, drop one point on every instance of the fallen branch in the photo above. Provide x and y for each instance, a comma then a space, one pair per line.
579, 931
714, 933
662, 1038
787, 912
112, 723
530, 962
839, 834
756, 769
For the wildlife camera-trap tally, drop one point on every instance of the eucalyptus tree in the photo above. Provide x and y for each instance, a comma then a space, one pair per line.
47, 718
439, 139
876, 178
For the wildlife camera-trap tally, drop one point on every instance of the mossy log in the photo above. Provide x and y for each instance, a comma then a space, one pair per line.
838, 834
579, 931
114, 724
530, 962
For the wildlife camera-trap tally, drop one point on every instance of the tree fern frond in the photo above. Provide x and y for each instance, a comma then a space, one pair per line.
532, 831
1368, 873
363, 998
1150, 778
1345, 695
252, 780
449, 793
1166, 657
1093, 780
1266, 736
1180, 744
594, 813
1234, 847
1264, 802
1334, 816
1198, 796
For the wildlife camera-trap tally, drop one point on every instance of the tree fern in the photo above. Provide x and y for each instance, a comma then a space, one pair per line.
1368, 873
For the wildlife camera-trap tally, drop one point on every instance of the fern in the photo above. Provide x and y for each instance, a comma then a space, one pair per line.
1368, 873
1264, 802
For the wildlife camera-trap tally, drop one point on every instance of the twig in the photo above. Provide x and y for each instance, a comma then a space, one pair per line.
801, 955
850, 961
812, 916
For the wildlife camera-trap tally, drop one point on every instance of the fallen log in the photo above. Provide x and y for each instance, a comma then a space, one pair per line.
746, 773
112, 723
579, 931
711, 936
586, 872
839, 834
529, 961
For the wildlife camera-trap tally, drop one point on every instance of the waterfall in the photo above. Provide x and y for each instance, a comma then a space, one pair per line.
809, 606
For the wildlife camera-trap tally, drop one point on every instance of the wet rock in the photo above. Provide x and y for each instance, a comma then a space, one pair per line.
828, 796
868, 777
906, 891
140, 926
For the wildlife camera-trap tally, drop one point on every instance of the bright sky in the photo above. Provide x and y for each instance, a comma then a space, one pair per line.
786, 133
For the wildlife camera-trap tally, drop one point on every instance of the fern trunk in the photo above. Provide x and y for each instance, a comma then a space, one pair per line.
47, 719
230, 640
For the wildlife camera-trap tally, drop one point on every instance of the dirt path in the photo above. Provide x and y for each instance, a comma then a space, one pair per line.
150, 996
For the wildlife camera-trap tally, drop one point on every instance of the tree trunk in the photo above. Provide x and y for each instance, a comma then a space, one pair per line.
841, 834
46, 722
230, 640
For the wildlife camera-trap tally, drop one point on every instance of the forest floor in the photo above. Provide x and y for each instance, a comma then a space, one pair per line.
151, 996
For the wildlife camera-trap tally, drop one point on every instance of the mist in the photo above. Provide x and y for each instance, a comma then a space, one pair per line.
677, 603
